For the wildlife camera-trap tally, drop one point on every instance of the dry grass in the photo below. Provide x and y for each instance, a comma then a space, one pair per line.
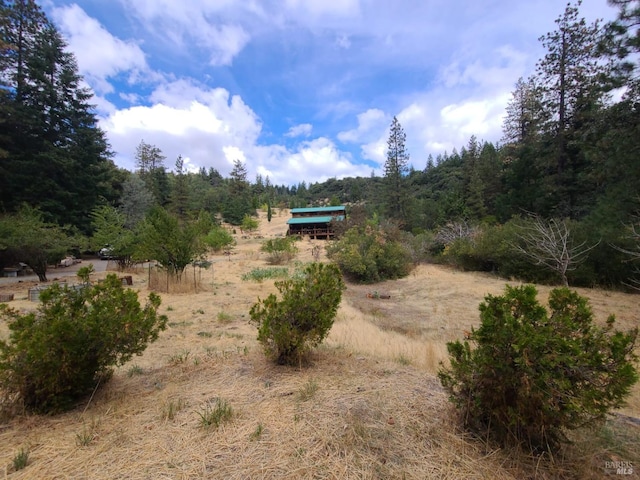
369, 406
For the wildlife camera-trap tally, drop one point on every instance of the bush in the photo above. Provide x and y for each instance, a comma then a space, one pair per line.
494, 249
218, 238
532, 376
249, 224
290, 327
280, 250
64, 351
371, 254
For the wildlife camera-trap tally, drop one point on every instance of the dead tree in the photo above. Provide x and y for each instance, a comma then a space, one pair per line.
549, 243
634, 235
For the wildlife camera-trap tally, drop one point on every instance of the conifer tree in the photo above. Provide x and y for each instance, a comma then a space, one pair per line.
396, 167
55, 155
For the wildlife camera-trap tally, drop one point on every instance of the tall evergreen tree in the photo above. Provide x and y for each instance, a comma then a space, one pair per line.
622, 41
56, 157
150, 163
136, 201
569, 76
396, 167
180, 191
523, 118
238, 201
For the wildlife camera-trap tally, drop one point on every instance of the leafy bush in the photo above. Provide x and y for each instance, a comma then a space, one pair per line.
65, 350
280, 250
218, 238
493, 248
371, 254
174, 244
531, 376
289, 327
249, 224
260, 274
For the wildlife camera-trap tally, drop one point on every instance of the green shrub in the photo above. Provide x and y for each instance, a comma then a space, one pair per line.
531, 376
371, 254
289, 327
218, 238
216, 415
260, 274
279, 250
249, 224
63, 351
493, 249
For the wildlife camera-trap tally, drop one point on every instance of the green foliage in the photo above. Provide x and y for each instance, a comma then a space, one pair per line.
290, 327
218, 238
280, 250
260, 274
32, 240
249, 224
532, 375
84, 273
67, 348
21, 459
215, 415
371, 253
171, 243
110, 229
54, 155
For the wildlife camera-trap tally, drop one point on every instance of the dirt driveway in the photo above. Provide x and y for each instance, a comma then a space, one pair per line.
59, 272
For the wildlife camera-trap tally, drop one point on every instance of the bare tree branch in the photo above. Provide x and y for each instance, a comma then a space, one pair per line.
455, 231
634, 235
549, 243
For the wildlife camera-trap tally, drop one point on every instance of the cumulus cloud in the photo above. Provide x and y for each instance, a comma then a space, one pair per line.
369, 121
100, 55
190, 76
205, 125
212, 128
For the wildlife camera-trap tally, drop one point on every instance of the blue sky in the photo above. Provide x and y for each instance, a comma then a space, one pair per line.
303, 90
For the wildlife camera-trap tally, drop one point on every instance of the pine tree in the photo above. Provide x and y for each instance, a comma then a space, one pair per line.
524, 113
180, 190
136, 201
569, 76
150, 163
56, 157
396, 167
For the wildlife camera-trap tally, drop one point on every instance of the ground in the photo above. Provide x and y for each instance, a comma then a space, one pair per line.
369, 405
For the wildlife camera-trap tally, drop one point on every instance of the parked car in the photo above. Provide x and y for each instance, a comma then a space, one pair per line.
106, 253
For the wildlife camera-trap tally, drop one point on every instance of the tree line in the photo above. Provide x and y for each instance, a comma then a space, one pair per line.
569, 156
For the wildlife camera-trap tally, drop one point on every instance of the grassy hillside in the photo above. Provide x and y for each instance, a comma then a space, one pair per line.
369, 406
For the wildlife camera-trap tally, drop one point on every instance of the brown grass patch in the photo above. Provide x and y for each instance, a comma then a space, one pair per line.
369, 406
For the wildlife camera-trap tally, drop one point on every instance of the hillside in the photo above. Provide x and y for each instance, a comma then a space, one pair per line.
369, 406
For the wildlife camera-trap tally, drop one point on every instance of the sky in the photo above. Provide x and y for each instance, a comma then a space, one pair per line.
303, 90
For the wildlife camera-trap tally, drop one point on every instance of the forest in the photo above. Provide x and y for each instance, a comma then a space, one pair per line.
555, 201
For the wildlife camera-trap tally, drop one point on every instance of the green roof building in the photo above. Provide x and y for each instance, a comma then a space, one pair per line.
316, 222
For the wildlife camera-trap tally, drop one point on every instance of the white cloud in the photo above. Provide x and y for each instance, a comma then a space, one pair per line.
302, 130
319, 159
368, 122
318, 8
202, 23
204, 126
212, 129
227, 41
100, 55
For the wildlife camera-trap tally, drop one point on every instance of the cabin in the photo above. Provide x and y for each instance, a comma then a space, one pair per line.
315, 221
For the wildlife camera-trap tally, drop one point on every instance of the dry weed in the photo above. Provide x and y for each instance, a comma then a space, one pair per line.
356, 412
